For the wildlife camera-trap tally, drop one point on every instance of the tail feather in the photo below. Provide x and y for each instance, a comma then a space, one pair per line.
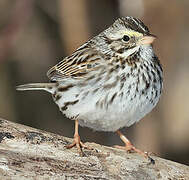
49, 87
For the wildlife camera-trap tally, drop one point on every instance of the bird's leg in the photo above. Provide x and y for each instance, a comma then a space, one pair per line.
77, 142
129, 147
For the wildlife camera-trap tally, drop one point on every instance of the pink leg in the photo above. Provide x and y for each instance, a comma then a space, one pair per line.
129, 147
77, 142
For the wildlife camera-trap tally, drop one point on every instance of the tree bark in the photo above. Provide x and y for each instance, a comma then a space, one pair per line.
28, 153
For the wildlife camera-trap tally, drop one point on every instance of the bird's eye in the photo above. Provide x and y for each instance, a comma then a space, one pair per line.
126, 38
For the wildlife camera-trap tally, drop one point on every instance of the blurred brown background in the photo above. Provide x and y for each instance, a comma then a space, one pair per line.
34, 35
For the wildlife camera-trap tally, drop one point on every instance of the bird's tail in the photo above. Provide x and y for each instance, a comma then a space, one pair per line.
49, 87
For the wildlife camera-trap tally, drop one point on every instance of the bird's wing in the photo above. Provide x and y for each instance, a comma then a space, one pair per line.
83, 60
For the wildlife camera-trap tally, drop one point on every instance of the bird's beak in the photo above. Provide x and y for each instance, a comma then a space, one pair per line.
149, 39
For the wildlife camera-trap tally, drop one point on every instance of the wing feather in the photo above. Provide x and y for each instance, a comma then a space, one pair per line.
82, 61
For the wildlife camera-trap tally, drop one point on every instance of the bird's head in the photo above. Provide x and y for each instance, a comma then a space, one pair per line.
126, 36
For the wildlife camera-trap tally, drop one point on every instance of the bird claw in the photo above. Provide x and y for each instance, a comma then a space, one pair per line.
130, 148
77, 142
152, 161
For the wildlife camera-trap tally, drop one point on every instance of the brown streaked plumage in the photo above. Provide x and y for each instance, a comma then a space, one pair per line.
110, 82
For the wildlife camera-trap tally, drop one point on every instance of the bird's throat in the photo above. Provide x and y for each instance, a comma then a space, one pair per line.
129, 52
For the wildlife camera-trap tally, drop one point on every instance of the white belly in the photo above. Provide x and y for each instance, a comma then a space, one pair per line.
95, 110
116, 116
110, 101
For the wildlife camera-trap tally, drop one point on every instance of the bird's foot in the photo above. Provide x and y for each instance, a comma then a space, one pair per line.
130, 148
77, 142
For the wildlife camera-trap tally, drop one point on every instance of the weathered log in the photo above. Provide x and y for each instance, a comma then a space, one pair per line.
28, 153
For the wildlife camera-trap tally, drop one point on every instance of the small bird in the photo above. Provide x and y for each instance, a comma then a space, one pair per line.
110, 82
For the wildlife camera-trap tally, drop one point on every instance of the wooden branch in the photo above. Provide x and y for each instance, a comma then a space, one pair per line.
26, 152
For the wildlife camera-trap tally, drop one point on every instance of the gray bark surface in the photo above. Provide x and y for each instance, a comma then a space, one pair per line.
28, 153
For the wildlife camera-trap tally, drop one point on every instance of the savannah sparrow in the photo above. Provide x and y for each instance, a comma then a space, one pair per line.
110, 82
